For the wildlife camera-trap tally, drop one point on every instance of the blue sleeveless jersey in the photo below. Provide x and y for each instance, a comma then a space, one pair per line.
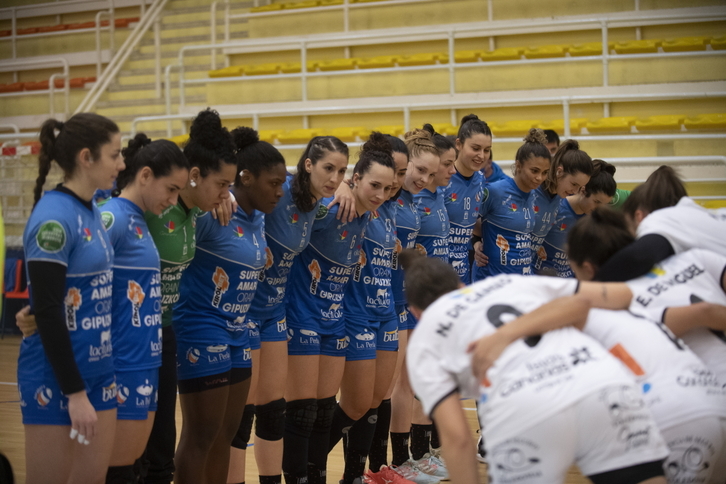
369, 296
506, 230
434, 233
497, 174
553, 255
136, 327
217, 288
320, 275
545, 208
62, 230
408, 223
287, 231
462, 197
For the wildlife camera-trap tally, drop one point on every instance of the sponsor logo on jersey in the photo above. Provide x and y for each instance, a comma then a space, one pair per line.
541, 253
217, 348
536, 209
366, 335
343, 235
146, 389
400, 202
688, 458
503, 249
397, 249
452, 198
427, 211
315, 271
136, 295
139, 233
390, 336
362, 260
294, 218
170, 226
221, 284
51, 237
87, 236
655, 273
563, 227
122, 393
73, 303
513, 207
43, 395
239, 231
478, 196
193, 355
322, 212
342, 343
107, 219
517, 459
281, 326
97, 353
421, 249
375, 215
109, 393
485, 194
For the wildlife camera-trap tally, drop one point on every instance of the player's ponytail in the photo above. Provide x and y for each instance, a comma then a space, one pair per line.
83, 130
471, 125
160, 155
442, 143
316, 149
662, 189
597, 237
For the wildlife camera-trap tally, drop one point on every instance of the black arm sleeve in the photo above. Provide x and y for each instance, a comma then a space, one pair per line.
49, 280
636, 259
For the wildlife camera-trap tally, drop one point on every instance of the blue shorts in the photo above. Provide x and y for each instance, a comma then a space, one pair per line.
388, 335
196, 360
271, 329
137, 393
42, 403
363, 336
303, 342
406, 320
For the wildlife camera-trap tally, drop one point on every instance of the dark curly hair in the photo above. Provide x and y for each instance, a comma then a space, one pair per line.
209, 143
160, 155
376, 150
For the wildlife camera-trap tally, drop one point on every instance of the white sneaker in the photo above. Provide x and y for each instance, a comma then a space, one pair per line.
408, 470
432, 466
481, 453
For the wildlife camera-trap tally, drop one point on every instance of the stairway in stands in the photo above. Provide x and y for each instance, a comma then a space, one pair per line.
133, 93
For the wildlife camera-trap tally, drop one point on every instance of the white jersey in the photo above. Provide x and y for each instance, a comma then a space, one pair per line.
687, 225
555, 369
676, 385
681, 280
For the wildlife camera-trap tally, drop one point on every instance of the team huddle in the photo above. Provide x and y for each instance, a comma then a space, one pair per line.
314, 308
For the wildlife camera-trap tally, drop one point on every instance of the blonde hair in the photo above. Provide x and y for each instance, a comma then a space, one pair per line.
418, 142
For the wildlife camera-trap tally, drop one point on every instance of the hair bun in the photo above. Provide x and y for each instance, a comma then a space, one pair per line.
243, 136
535, 135
570, 144
602, 165
135, 145
429, 128
470, 117
377, 142
207, 129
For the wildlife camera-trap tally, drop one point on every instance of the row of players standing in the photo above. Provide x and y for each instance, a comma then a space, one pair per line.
225, 316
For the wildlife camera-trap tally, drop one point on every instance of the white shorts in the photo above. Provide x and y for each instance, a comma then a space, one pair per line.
697, 451
609, 429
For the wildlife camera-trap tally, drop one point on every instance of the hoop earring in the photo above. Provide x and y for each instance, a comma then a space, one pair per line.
193, 183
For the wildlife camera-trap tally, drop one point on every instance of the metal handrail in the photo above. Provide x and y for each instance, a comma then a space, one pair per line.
6, 66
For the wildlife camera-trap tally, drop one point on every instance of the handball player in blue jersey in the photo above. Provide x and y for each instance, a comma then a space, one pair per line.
319, 173
571, 170
464, 192
507, 212
65, 370
213, 352
316, 328
154, 175
598, 191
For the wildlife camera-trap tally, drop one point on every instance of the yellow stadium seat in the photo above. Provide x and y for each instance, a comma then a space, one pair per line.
338, 64
298, 136
445, 128
180, 140
327, 3
378, 62
506, 53
515, 128
706, 121
610, 125
230, 71
685, 44
467, 56
637, 46
590, 48
266, 8
423, 59
712, 204
307, 4
392, 129
558, 125
262, 69
349, 134
269, 135
293, 67
545, 51
718, 43
668, 122
365, 1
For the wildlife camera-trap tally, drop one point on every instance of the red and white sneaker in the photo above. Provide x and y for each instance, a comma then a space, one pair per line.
385, 476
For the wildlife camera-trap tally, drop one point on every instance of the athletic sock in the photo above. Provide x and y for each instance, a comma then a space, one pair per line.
319, 437
270, 479
435, 442
420, 440
378, 454
360, 437
399, 447
121, 475
341, 423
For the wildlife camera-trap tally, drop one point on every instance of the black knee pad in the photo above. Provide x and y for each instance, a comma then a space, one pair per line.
271, 420
300, 416
326, 410
121, 475
242, 437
